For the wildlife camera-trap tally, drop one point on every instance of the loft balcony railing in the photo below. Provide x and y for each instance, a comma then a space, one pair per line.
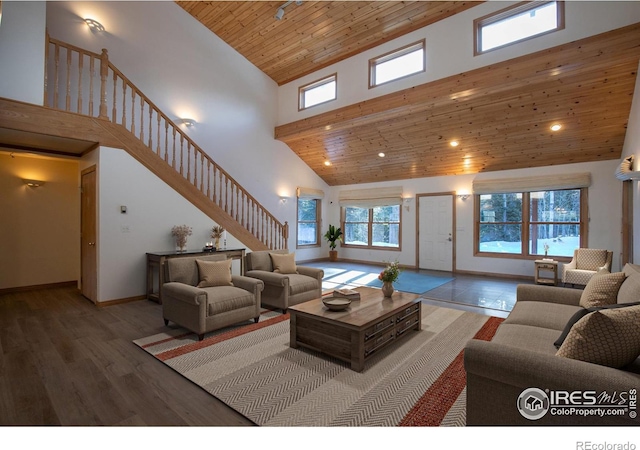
87, 83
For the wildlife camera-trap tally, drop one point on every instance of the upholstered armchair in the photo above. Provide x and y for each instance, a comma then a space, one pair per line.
285, 283
202, 295
586, 263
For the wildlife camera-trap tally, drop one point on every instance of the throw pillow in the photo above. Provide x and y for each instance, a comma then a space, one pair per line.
583, 312
608, 337
602, 290
214, 273
283, 263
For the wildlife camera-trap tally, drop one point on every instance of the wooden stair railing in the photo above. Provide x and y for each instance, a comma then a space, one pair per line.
77, 70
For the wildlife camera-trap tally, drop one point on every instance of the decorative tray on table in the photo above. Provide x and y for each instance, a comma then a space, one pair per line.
336, 303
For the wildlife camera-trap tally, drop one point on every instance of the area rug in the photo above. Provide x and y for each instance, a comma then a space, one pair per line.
419, 381
417, 283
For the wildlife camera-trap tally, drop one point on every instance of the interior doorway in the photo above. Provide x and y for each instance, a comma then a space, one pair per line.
88, 252
436, 231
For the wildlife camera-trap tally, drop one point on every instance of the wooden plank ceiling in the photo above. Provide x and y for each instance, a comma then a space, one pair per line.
500, 114
314, 34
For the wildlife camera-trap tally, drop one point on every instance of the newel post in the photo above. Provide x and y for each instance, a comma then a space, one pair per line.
104, 71
285, 234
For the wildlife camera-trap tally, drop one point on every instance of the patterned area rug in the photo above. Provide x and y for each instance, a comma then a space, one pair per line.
418, 381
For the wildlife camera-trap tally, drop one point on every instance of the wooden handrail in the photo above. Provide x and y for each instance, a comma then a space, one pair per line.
134, 111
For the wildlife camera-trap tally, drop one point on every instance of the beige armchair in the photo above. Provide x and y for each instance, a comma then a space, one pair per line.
287, 287
202, 295
586, 263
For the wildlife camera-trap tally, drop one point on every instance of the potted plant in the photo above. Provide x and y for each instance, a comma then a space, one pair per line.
332, 235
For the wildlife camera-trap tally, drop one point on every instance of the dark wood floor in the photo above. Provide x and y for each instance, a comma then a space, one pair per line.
63, 361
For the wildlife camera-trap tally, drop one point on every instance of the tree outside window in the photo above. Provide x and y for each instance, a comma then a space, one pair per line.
524, 223
308, 222
372, 227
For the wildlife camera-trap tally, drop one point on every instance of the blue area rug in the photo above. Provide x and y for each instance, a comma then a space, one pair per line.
353, 276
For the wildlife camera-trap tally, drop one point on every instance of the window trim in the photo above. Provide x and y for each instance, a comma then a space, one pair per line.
526, 223
509, 12
343, 217
318, 223
397, 53
314, 84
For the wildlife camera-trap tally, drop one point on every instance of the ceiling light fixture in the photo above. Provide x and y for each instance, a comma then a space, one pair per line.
381, 154
94, 25
454, 143
556, 127
280, 12
327, 163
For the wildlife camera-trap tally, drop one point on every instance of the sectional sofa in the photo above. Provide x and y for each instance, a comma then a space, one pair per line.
520, 377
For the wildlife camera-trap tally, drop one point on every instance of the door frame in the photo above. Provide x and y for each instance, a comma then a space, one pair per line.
453, 225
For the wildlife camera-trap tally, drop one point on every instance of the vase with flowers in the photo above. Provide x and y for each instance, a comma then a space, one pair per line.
216, 233
388, 276
546, 249
181, 232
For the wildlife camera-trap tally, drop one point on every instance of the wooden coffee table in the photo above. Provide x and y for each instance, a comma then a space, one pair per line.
356, 334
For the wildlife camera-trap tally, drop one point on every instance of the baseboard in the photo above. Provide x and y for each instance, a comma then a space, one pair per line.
120, 301
36, 287
494, 275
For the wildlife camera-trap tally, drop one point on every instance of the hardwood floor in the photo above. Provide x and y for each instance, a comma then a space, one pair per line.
63, 361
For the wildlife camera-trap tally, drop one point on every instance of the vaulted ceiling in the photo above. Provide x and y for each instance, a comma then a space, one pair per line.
499, 114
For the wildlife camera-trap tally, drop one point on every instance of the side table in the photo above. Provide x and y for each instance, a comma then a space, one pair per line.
546, 265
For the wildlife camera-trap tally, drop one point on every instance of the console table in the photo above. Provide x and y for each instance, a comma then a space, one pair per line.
156, 260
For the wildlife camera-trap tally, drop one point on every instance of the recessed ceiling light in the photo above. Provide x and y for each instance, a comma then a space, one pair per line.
381, 154
454, 143
556, 127
327, 163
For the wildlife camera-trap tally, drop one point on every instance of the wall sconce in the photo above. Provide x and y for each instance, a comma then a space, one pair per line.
94, 25
407, 202
283, 199
463, 197
33, 183
187, 122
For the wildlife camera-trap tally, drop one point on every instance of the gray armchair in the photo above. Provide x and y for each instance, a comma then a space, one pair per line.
585, 264
204, 309
282, 290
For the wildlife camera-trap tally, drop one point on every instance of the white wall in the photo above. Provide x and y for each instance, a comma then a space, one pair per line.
40, 227
632, 147
449, 51
604, 211
192, 73
22, 46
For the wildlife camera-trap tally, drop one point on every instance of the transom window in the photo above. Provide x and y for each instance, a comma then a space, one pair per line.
531, 223
397, 64
377, 227
308, 222
517, 23
318, 92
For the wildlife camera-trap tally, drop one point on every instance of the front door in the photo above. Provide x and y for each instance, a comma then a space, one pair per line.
435, 232
88, 253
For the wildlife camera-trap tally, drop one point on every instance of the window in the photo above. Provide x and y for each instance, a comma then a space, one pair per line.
528, 223
397, 64
318, 92
517, 23
308, 222
377, 227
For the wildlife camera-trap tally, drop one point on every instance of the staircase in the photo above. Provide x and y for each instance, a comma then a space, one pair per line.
84, 83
